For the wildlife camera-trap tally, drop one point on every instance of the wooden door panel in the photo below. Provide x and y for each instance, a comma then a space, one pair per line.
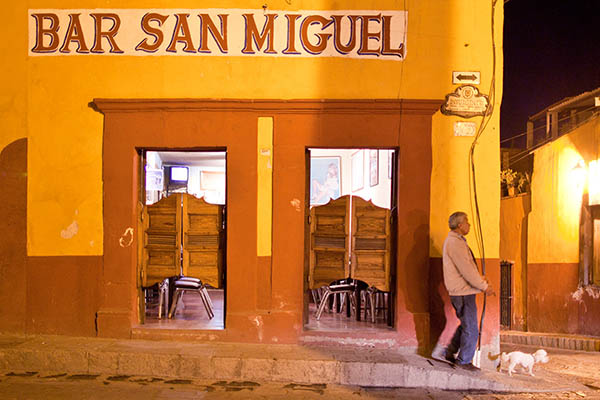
203, 239
371, 244
329, 242
162, 240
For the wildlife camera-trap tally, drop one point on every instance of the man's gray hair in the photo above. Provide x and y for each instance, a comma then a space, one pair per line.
455, 219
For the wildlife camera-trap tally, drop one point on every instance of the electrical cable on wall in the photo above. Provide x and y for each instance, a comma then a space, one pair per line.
472, 176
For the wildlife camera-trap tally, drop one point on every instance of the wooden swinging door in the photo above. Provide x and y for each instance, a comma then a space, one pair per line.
203, 240
161, 242
371, 244
182, 235
329, 244
366, 257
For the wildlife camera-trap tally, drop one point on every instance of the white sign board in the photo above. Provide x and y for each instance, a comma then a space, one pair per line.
363, 34
464, 128
464, 77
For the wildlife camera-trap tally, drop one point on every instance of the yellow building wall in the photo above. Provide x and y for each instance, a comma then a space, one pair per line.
513, 247
46, 100
557, 188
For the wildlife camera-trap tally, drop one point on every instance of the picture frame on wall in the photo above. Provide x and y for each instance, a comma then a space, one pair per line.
358, 170
325, 184
373, 167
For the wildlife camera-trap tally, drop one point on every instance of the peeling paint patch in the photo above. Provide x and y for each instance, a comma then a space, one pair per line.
126, 238
70, 231
591, 291
576, 295
259, 326
296, 204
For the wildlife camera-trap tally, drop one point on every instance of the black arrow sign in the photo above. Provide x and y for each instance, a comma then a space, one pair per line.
462, 77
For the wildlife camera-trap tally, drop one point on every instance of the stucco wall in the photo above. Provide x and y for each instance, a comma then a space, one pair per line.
513, 248
46, 101
556, 300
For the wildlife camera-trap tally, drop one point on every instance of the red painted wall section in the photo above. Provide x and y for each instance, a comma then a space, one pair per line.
62, 295
293, 134
588, 301
556, 304
443, 318
265, 301
13, 236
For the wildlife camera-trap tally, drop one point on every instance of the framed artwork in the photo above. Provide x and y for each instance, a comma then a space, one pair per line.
154, 179
324, 179
358, 170
373, 167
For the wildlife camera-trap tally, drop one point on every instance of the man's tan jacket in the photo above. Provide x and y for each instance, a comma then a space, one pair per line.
461, 275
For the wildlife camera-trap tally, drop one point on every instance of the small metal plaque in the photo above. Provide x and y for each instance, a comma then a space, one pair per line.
466, 102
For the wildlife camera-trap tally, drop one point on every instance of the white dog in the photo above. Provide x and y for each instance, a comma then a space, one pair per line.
524, 360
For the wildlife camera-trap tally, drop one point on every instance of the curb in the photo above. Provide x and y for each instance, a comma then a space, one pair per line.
325, 371
565, 342
244, 362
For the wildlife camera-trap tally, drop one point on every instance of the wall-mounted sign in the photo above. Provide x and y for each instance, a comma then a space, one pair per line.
464, 128
466, 102
219, 32
464, 77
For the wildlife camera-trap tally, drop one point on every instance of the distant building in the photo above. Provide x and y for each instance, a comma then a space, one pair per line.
553, 235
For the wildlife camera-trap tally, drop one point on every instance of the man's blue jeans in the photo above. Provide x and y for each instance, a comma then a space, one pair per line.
465, 338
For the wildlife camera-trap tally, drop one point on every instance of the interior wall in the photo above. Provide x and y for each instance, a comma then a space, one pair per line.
379, 194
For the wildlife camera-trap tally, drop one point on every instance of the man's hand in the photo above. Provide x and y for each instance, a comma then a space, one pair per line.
489, 291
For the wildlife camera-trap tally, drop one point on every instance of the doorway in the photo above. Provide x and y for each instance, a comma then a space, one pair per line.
350, 251
182, 267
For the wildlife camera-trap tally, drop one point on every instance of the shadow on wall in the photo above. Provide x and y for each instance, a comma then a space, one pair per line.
13, 236
414, 277
35, 294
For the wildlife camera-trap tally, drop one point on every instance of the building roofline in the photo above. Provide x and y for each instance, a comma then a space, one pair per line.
566, 102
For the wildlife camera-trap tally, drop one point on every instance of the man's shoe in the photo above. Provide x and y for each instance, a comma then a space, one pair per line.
468, 367
450, 358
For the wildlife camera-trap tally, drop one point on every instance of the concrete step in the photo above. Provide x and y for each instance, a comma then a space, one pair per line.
555, 340
250, 362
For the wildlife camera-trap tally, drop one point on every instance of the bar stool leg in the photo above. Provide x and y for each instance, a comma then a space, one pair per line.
207, 303
323, 303
178, 294
207, 296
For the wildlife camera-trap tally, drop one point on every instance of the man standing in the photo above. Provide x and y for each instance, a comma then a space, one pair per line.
463, 281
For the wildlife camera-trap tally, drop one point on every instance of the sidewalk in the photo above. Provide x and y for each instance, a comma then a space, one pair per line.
555, 340
255, 363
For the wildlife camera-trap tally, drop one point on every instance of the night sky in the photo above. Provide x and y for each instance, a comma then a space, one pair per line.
551, 51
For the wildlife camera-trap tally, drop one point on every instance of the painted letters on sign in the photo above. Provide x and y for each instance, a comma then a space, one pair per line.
234, 32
